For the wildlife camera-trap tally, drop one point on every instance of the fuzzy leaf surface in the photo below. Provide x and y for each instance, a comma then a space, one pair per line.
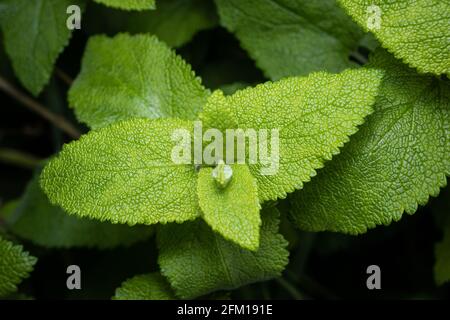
197, 261
292, 37
415, 31
314, 116
399, 157
124, 173
137, 76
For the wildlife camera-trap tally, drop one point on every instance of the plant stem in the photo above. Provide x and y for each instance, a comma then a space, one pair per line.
35, 106
290, 288
63, 76
359, 57
19, 158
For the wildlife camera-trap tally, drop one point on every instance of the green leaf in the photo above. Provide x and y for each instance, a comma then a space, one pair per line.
129, 4
197, 261
15, 265
7, 210
313, 115
233, 211
175, 21
415, 31
150, 286
133, 77
399, 157
35, 33
288, 37
35, 219
124, 173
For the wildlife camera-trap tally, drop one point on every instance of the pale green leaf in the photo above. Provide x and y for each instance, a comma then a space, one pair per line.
150, 286
416, 31
124, 173
292, 37
198, 261
35, 33
232, 211
314, 117
129, 4
15, 265
134, 76
399, 157
37, 220
442, 253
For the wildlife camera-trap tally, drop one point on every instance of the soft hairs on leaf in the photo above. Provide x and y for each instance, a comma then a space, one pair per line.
124, 173
15, 265
399, 157
136, 76
197, 261
37, 220
416, 31
292, 37
129, 4
314, 117
35, 33
232, 211
150, 286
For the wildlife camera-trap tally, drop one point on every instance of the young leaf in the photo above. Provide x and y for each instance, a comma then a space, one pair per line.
415, 31
150, 286
134, 76
233, 210
35, 219
124, 173
175, 21
292, 37
442, 253
399, 157
197, 261
129, 4
313, 116
15, 265
35, 33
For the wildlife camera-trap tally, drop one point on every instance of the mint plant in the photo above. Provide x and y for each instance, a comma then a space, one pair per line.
345, 129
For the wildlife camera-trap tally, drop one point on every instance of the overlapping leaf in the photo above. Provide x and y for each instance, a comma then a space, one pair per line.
134, 76
232, 211
416, 31
397, 160
124, 173
15, 265
129, 4
35, 219
313, 116
198, 261
292, 37
175, 21
150, 286
35, 33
